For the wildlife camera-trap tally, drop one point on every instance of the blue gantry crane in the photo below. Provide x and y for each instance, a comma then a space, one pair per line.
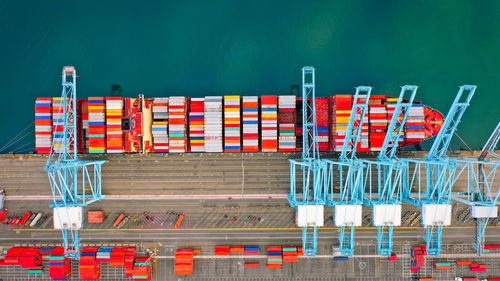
384, 195
347, 175
75, 183
483, 186
307, 184
439, 172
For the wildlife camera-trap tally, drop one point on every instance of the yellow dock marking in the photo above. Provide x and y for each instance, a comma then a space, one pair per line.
229, 229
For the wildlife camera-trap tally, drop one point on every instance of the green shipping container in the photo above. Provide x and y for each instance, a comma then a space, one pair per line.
57, 257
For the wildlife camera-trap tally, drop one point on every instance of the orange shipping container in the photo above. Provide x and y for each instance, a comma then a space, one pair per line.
95, 217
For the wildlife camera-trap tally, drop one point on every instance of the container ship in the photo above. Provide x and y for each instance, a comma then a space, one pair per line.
178, 124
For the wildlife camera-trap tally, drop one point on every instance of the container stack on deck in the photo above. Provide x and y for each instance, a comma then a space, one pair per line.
177, 110
197, 125
391, 106
269, 123
213, 124
341, 108
97, 127
59, 265
232, 124
160, 125
415, 126
84, 135
223, 124
298, 128
114, 133
378, 121
43, 125
286, 123
58, 124
322, 122
250, 108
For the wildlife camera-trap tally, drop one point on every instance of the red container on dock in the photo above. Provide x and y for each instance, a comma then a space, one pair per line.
222, 250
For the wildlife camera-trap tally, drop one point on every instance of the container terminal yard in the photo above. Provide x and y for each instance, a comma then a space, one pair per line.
341, 203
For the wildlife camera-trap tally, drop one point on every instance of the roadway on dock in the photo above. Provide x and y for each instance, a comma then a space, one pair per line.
168, 174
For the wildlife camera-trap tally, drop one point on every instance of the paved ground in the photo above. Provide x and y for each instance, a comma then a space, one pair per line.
190, 173
205, 224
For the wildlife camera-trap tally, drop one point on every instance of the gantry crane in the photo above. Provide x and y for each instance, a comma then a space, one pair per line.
309, 195
347, 172
388, 171
483, 186
70, 178
439, 173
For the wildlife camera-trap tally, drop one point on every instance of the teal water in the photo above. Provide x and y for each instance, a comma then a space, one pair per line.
202, 48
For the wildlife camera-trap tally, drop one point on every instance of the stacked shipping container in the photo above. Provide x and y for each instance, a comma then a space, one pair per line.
290, 254
177, 109
141, 269
160, 125
114, 133
58, 124
274, 257
250, 108
84, 134
341, 109
322, 122
183, 262
415, 126
377, 115
59, 265
232, 124
197, 125
90, 268
286, 123
43, 125
97, 128
117, 125
213, 124
269, 123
